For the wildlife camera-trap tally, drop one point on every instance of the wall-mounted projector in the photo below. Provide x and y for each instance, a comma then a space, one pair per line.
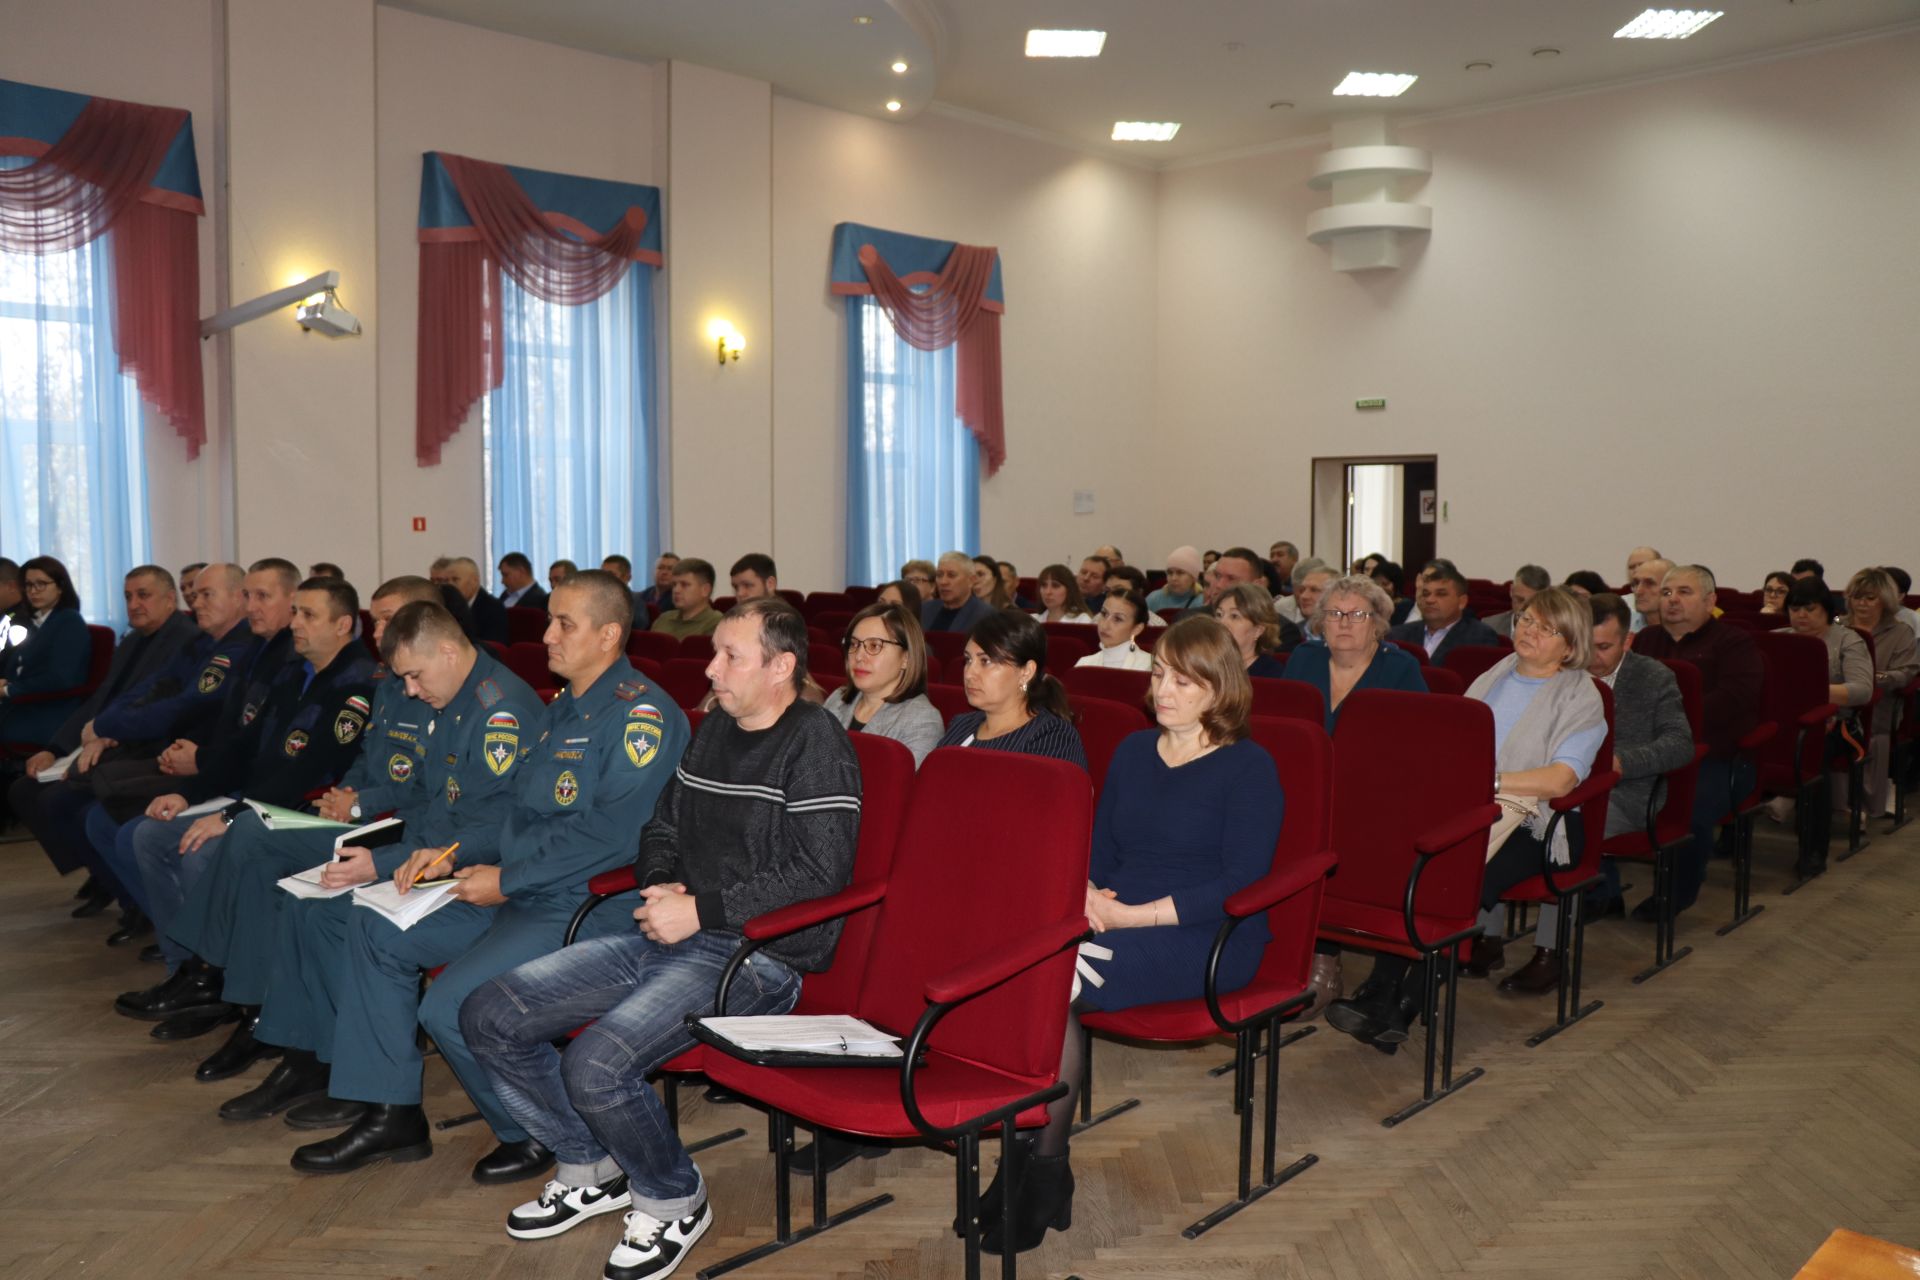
323, 313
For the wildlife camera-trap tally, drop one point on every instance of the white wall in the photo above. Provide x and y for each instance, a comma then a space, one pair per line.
1681, 313
1076, 239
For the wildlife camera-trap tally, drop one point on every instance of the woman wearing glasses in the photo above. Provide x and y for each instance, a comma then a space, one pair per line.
46, 651
1352, 618
886, 689
1548, 723
1773, 593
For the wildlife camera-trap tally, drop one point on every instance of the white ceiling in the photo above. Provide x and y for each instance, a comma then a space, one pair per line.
1213, 65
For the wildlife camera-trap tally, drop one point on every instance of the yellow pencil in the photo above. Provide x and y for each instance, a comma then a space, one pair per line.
444, 855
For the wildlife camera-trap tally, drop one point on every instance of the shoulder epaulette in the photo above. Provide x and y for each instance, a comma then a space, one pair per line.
489, 693
628, 690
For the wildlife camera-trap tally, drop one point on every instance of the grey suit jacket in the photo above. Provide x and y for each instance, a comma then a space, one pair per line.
1469, 630
1650, 735
175, 634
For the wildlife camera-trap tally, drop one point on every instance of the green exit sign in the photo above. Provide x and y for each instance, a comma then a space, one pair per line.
1369, 404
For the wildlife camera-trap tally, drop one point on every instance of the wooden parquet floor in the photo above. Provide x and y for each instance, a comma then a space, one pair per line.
1717, 1121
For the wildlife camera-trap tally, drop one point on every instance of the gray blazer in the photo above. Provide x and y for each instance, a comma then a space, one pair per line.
1650, 735
915, 724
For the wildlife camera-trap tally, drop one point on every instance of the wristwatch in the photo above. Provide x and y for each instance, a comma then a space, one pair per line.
353, 811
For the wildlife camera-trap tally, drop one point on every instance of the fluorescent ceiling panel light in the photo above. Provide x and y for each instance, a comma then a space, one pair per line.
1374, 84
1065, 44
1143, 131
1666, 24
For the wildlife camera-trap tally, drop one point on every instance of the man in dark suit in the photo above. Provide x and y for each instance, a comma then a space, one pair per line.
518, 590
1445, 621
489, 615
954, 606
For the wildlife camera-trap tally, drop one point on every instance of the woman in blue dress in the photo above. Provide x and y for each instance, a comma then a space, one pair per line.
1352, 619
1189, 815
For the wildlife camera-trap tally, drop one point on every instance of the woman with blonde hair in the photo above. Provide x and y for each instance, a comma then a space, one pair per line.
1873, 605
1248, 614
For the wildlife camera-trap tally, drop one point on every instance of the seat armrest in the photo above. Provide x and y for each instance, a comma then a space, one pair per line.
1457, 828
975, 976
1758, 736
812, 911
1280, 884
1817, 717
608, 883
1596, 785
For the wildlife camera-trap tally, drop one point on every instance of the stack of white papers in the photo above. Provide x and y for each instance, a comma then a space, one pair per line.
405, 910
205, 807
58, 769
835, 1033
306, 884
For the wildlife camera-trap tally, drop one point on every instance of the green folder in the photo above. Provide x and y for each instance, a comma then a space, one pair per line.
278, 819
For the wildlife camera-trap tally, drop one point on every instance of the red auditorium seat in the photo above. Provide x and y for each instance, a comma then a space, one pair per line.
699, 648
794, 598
946, 645
826, 660
526, 626
1288, 700
529, 662
1103, 726
1291, 895
974, 976
685, 680
657, 645
1441, 680
1064, 651
1792, 762
1111, 683
950, 700
1412, 805
1469, 661
1417, 650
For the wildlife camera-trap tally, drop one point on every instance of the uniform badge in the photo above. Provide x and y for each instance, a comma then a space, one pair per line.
248, 712
646, 711
296, 742
566, 788
400, 766
503, 720
488, 693
215, 673
347, 726
642, 740
453, 788
360, 704
500, 747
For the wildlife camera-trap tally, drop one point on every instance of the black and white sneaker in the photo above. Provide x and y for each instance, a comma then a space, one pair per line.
561, 1208
650, 1249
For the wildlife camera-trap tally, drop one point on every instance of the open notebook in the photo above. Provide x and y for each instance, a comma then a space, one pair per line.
408, 909
829, 1034
374, 835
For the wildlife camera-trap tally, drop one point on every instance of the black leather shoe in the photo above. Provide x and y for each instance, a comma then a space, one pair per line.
194, 985
324, 1113
93, 903
86, 888
839, 1152
1044, 1199
513, 1162
150, 954
297, 1077
191, 1024
239, 1052
1598, 909
388, 1131
133, 924
1399, 1021
1363, 1015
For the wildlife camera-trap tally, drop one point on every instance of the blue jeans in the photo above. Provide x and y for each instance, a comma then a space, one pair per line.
144, 855
594, 1100
1719, 779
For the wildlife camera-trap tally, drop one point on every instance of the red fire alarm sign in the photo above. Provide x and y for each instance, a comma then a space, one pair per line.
419, 524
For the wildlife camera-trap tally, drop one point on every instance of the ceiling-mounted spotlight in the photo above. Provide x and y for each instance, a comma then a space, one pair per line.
322, 313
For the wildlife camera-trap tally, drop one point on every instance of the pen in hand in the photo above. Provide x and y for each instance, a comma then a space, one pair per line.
444, 855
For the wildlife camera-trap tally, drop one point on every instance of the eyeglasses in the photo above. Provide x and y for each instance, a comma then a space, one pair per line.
1349, 615
872, 646
1773, 591
37, 584
1532, 623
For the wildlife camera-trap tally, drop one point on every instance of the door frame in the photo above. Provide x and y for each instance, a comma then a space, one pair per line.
1323, 466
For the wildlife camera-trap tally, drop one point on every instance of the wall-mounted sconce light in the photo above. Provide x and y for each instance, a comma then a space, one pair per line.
728, 342
316, 309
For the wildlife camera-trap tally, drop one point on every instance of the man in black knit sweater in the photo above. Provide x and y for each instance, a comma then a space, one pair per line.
764, 811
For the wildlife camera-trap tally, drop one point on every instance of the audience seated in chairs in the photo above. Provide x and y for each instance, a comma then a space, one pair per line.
1645, 581
1585, 583
1123, 616
1903, 583
1310, 578
753, 576
47, 652
1017, 705
1773, 593
1124, 577
620, 567
886, 690
1190, 815
1529, 580
1874, 604
489, 615
1651, 737
1060, 598
518, 590
988, 585
1248, 614
1352, 620
1391, 579
902, 593
1445, 621
558, 572
1549, 722
1182, 589
1850, 674
693, 613
1093, 580
1731, 679
658, 597
762, 813
920, 573
954, 606
1010, 579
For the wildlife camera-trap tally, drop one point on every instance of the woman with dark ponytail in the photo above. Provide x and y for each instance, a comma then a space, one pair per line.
1017, 706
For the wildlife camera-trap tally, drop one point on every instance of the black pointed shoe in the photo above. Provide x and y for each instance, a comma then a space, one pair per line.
93, 900
1364, 1014
296, 1078
513, 1162
1044, 1199
134, 925
239, 1052
194, 985
151, 954
191, 1024
330, 1115
387, 1131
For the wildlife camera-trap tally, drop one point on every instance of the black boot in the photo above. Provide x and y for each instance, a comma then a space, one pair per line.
194, 985
1366, 1013
239, 1052
388, 1131
1045, 1199
93, 900
330, 1115
996, 1190
191, 1024
297, 1077
1401, 1015
512, 1162
133, 925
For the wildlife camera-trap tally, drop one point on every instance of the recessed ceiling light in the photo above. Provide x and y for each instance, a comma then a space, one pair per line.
863, 21
1374, 84
1065, 44
1479, 66
893, 104
899, 68
1546, 53
1666, 24
1144, 131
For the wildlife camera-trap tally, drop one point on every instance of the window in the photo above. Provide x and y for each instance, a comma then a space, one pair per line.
568, 436
913, 473
71, 470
